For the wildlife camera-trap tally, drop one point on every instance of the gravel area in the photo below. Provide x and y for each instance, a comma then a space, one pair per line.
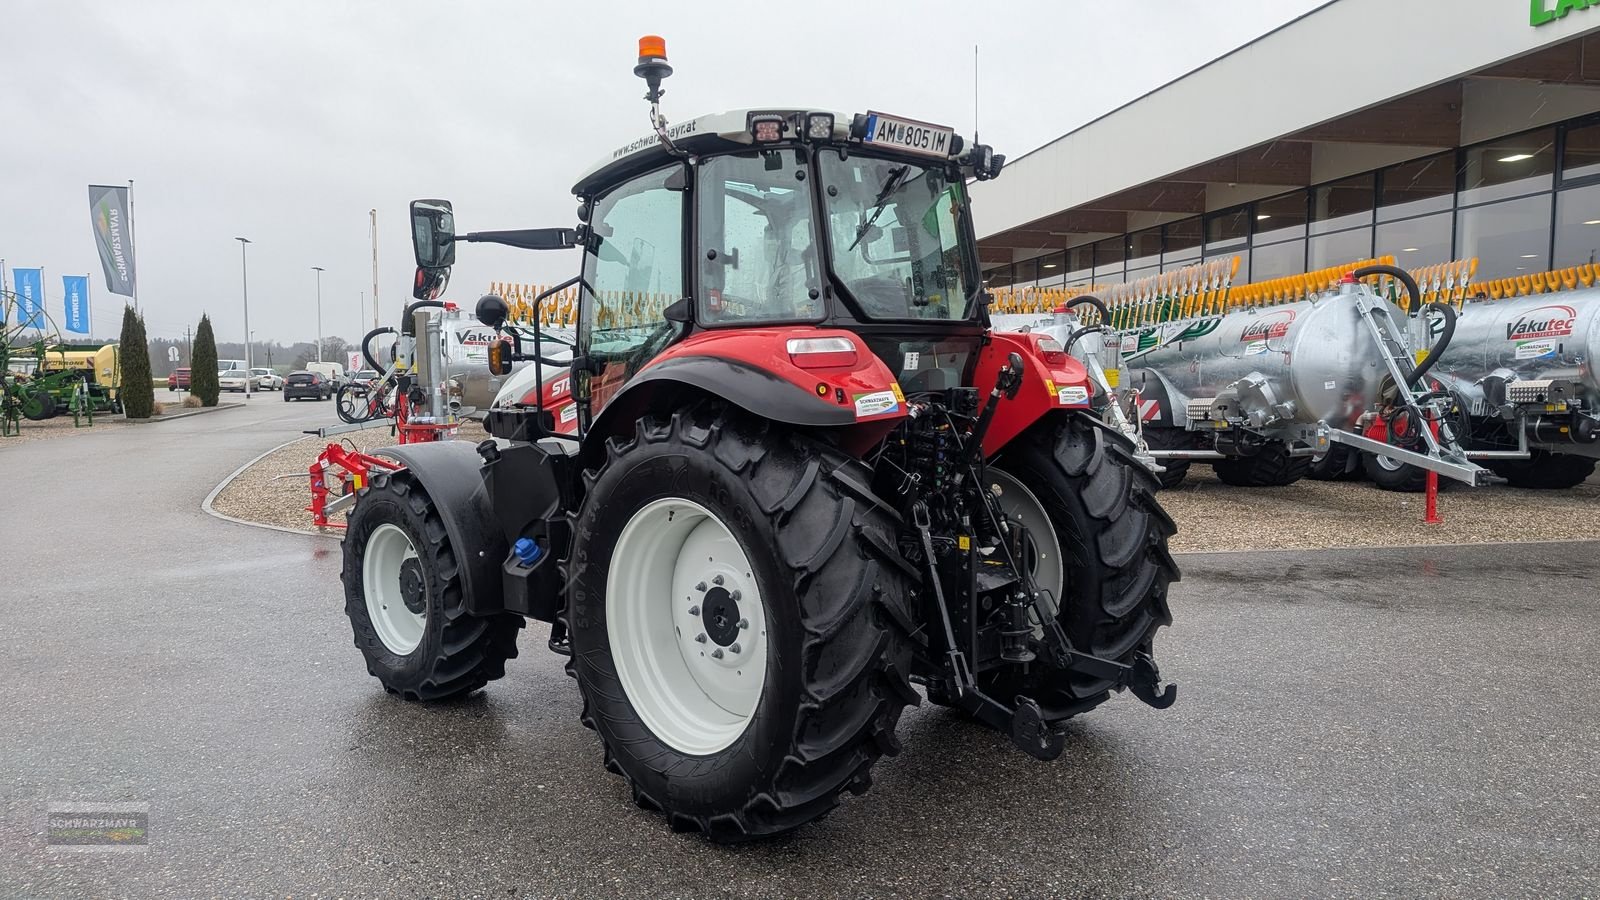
277, 489
61, 425
1211, 516
1310, 514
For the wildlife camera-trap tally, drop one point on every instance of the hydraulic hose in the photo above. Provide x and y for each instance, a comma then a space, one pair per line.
1105, 320
1416, 305
366, 344
1092, 300
408, 323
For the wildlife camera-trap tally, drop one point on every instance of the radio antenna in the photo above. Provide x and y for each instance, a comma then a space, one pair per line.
974, 94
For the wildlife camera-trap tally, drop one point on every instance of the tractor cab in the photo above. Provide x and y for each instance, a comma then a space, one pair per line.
812, 222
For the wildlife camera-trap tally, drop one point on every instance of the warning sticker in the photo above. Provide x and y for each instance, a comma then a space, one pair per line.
913, 360
876, 403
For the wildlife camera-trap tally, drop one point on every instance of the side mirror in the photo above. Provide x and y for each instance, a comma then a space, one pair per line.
430, 283
433, 240
500, 357
492, 311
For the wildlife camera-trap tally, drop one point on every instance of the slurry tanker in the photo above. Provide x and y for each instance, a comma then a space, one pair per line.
1260, 380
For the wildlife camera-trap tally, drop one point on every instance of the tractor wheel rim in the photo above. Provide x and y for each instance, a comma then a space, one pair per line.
392, 584
1389, 463
687, 626
1042, 550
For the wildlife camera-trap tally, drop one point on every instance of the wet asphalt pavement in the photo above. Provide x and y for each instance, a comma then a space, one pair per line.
1351, 723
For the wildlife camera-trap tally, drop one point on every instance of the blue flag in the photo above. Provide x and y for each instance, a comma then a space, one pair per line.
76, 302
30, 297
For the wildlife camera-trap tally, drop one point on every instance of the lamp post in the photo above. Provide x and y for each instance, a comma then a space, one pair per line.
244, 275
319, 270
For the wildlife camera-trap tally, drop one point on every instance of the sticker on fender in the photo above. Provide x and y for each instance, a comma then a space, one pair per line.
1072, 396
876, 403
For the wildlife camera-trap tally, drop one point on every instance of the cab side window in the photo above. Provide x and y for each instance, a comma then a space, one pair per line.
634, 266
758, 240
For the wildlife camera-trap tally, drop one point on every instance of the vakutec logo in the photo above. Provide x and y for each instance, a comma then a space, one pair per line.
1274, 325
1544, 322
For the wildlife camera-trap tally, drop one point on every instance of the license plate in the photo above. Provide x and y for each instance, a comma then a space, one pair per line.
909, 134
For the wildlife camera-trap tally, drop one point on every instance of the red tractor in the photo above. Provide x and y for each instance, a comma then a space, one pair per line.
757, 516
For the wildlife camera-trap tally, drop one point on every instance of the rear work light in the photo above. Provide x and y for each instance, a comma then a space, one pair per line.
766, 129
819, 126
822, 353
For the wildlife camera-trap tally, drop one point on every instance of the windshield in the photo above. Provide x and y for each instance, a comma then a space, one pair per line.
897, 237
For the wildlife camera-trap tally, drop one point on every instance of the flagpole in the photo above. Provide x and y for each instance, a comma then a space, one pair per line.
133, 247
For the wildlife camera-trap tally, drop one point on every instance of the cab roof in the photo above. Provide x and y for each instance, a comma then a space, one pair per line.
729, 130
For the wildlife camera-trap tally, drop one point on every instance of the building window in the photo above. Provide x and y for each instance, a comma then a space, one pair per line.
1108, 259
1183, 241
1144, 248
1281, 218
1582, 156
1027, 273
1511, 238
1342, 204
1227, 229
1052, 270
1341, 247
1577, 227
1416, 242
1417, 188
1508, 167
998, 277
1278, 260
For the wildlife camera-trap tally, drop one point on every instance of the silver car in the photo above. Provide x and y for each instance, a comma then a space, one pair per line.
268, 379
236, 379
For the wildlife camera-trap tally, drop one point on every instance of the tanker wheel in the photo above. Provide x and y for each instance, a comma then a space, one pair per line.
1545, 471
1158, 438
739, 629
1391, 474
39, 406
1271, 467
1340, 463
402, 592
1098, 543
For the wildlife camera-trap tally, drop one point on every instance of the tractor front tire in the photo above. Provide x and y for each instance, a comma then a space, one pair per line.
1545, 471
1271, 467
1393, 475
402, 589
1112, 534
740, 628
1163, 438
1340, 463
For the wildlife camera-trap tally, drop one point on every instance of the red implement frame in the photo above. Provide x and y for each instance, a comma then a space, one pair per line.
356, 469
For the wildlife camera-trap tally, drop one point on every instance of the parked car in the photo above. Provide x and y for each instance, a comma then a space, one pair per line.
360, 380
224, 365
238, 380
178, 380
304, 385
270, 380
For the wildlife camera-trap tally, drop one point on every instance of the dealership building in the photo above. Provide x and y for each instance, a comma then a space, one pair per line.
1422, 129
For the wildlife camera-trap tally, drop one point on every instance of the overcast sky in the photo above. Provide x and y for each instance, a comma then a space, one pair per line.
285, 122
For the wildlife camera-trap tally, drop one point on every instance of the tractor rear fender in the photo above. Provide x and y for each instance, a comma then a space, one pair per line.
450, 472
1052, 380
847, 393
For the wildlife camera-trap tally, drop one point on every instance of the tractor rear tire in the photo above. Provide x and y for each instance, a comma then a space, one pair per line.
1341, 463
1271, 467
1113, 534
1545, 471
1158, 438
824, 622
402, 590
1393, 475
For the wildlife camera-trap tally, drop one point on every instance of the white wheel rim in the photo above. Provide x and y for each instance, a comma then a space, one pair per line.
1389, 463
692, 671
398, 626
1042, 554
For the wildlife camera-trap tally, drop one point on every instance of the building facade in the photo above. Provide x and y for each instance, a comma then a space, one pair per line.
1490, 150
